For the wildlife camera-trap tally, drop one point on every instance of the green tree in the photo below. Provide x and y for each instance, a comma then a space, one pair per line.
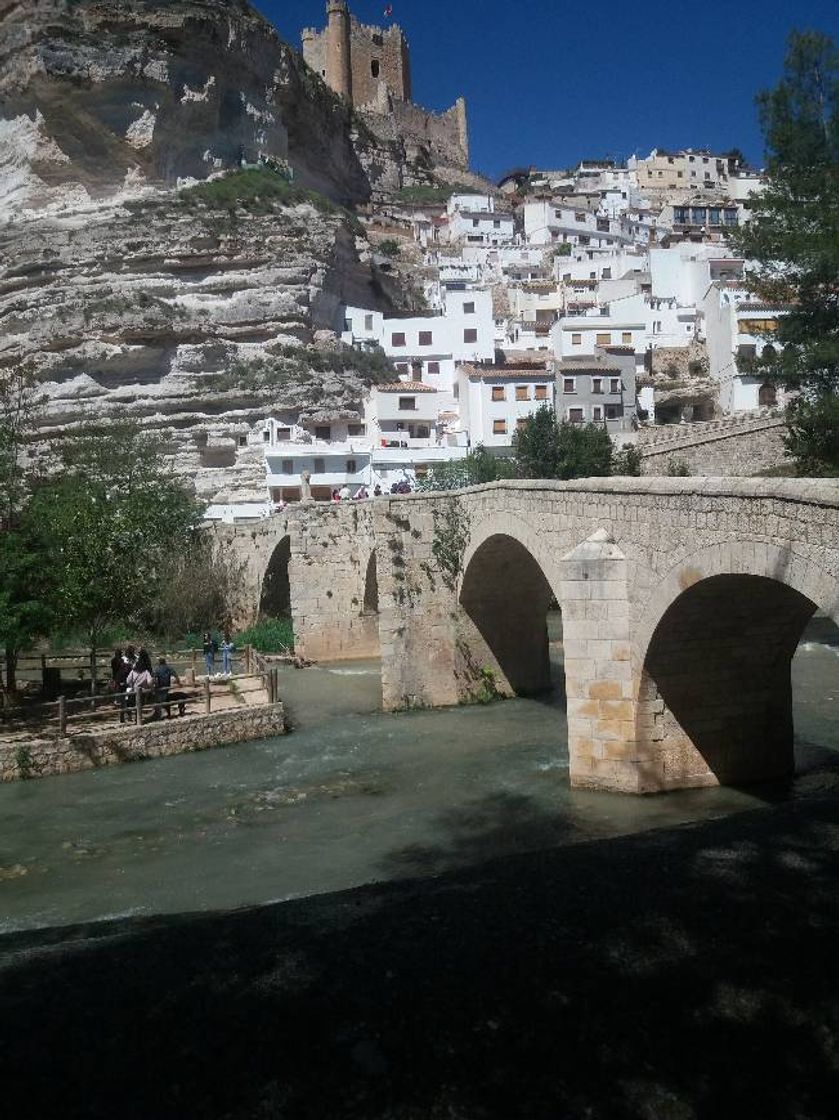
627, 461
24, 591
794, 238
112, 524
545, 449
19, 406
478, 467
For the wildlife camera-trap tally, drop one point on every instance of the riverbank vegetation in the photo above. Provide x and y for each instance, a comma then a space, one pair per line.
103, 537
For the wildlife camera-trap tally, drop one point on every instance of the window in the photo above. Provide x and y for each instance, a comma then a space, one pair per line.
499, 427
557, 213
499, 393
597, 385
266, 436
615, 385
522, 393
604, 339
407, 404
607, 274
401, 367
423, 431
470, 335
355, 429
320, 466
475, 223
375, 68
243, 441
288, 466
541, 393
575, 415
283, 433
569, 385
576, 340
714, 215
368, 322
397, 339
469, 309
579, 216
585, 240
597, 412
496, 224
351, 466
614, 411
730, 217
433, 367
698, 215
626, 338
324, 432
425, 338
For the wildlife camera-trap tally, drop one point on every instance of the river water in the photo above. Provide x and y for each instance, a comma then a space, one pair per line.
353, 795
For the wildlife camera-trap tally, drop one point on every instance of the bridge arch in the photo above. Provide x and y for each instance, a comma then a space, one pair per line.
275, 592
371, 585
506, 595
714, 658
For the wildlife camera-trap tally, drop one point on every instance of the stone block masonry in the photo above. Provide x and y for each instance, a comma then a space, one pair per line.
682, 599
734, 447
39, 758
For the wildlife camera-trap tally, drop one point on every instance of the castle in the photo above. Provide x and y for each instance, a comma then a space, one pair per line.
370, 67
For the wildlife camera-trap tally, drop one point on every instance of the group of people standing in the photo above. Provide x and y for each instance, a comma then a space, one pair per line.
132, 672
210, 648
362, 494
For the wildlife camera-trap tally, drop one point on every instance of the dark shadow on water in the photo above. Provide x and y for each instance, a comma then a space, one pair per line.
499, 824
686, 974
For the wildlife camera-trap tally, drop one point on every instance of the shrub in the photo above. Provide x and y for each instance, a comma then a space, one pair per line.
269, 635
677, 468
389, 248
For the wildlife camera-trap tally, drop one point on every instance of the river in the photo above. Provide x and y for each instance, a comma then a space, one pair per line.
352, 796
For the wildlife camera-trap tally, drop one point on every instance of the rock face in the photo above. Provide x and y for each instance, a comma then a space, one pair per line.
100, 97
193, 320
193, 311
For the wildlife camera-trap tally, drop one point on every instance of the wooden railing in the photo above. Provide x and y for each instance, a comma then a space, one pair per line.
136, 706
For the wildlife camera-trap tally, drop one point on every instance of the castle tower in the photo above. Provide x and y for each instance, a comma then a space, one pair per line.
338, 57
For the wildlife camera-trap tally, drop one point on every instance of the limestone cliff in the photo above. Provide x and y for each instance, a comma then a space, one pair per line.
172, 309
99, 96
134, 285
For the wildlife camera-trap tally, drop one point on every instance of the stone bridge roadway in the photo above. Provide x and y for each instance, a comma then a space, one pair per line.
682, 601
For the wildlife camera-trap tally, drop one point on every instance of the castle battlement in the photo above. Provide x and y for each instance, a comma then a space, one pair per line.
370, 67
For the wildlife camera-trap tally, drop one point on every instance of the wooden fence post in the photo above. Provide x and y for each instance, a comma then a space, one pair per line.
62, 715
190, 677
207, 696
138, 706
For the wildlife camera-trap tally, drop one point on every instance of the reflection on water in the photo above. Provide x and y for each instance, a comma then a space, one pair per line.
351, 796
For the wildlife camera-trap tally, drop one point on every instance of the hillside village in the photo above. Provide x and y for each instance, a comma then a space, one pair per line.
312, 292
606, 292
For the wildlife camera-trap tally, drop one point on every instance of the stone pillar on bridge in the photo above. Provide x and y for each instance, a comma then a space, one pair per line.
598, 669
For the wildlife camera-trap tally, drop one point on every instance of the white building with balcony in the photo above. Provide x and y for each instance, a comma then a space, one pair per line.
738, 329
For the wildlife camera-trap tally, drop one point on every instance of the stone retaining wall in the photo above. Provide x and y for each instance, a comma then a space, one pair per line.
717, 448
38, 758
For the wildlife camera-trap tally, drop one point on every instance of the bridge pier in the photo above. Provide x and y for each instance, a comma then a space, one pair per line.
602, 745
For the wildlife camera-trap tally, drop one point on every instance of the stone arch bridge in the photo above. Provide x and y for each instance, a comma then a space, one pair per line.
682, 602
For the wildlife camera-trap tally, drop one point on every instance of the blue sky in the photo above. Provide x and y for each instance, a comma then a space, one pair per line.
550, 83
